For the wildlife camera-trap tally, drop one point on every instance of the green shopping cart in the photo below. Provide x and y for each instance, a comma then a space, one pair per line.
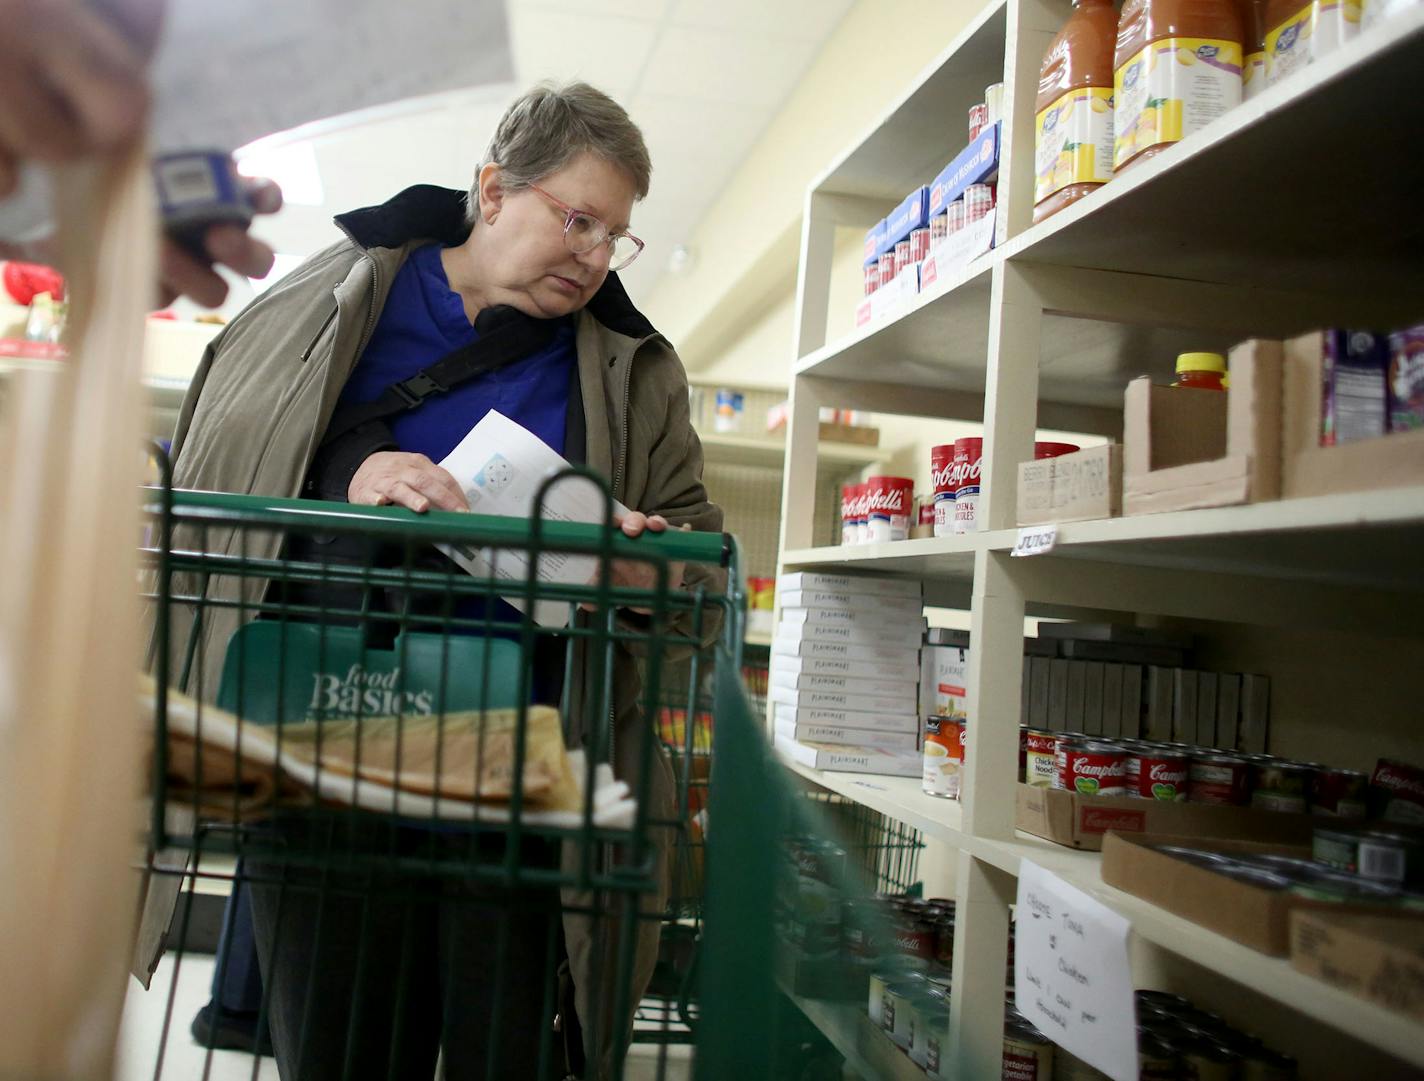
453, 837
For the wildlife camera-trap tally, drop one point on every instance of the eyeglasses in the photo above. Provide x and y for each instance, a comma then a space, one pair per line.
583, 232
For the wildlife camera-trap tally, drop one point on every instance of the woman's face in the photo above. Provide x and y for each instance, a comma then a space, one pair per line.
526, 262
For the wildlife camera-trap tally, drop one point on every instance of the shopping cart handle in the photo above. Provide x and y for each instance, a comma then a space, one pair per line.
442, 526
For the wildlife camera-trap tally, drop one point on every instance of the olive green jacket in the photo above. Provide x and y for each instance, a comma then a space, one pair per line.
266, 388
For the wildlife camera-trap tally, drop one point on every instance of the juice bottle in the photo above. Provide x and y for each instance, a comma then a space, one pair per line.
1073, 134
1253, 68
1177, 67
1299, 32
1202, 371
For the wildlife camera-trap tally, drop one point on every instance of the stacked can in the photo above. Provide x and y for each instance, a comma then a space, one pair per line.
887, 268
955, 217
946, 740
903, 255
942, 482
978, 201
978, 120
872, 277
939, 227
888, 503
968, 463
849, 492
993, 103
919, 244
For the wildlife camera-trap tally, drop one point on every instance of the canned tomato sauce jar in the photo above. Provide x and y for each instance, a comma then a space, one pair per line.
1221, 779
1092, 768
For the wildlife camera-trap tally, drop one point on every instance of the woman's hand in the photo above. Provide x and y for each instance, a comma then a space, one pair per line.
638, 575
406, 480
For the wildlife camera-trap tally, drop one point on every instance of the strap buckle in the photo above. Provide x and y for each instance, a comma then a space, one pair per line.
417, 388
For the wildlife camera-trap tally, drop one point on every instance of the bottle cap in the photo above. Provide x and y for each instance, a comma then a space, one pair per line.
1201, 362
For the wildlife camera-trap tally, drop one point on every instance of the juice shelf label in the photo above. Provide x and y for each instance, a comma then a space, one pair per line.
1073, 141
1171, 89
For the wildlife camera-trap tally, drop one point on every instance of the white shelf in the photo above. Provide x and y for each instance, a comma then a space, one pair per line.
901, 799
1367, 539
726, 448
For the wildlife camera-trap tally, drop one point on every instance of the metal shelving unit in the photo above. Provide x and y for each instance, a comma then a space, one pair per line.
1200, 247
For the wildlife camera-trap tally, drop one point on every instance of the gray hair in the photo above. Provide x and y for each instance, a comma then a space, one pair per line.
549, 126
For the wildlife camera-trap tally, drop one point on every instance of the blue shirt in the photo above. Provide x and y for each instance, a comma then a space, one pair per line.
423, 321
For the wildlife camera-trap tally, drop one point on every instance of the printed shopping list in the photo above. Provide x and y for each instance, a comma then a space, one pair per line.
500, 466
1072, 976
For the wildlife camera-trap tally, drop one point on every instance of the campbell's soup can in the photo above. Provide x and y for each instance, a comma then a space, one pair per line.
1040, 757
1221, 779
1053, 450
944, 756
978, 120
1028, 1053
902, 255
942, 480
1091, 768
1159, 774
939, 227
924, 510
919, 244
1339, 793
848, 530
955, 217
889, 503
872, 277
887, 268
862, 496
978, 201
968, 462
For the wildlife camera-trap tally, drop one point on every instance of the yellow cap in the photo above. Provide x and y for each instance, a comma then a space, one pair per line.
1200, 362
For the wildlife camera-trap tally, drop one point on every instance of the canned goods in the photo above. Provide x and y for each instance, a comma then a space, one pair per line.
1397, 792
1028, 1053
955, 219
939, 227
1091, 768
1159, 773
872, 277
1157, 1060
942, 480
1040, 748
944, 944
919, 244
994, 102
931, 1026
887, 268
978, 120
968, 463
1220, 779
978, 201
1339, 793
1342, 888
1281, 786
1053, 450
1206, 1060
875, 1001
902, 255
1391, 856
848, 528
888, 501
897, 1014
943, 756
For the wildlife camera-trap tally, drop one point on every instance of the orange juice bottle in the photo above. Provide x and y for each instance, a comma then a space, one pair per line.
1073, 135
1299, 32
1253, 68
1176, 68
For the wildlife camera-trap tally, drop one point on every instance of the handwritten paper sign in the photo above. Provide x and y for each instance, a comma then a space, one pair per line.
1072, 977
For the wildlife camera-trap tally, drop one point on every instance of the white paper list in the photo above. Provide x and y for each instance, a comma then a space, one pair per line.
1072, 974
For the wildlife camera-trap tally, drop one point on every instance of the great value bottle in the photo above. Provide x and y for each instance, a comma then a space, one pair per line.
1253, 67
1177, 67
1300, 32
1073, 130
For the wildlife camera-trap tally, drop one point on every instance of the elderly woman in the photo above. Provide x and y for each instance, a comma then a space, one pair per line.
276, 409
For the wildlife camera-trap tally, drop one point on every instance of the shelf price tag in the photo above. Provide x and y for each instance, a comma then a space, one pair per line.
1036, 540
1072, 976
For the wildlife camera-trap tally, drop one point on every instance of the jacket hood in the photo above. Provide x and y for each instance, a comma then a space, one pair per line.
427, 210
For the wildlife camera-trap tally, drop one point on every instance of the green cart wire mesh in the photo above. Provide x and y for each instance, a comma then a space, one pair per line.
355, 731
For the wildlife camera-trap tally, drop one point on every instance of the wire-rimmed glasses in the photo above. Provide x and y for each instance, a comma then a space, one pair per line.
583, 232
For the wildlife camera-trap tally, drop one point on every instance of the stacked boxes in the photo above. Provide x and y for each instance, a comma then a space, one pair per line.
845, 672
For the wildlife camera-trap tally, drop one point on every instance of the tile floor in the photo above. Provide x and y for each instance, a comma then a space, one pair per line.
140, 1039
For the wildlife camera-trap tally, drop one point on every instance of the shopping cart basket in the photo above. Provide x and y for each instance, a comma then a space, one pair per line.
372, 742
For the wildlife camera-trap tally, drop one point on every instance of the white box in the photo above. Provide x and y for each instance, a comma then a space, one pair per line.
896, 691
859, 585
788, 645
911, 607
879, 721
833, 756
809, 699
869, 616
847, 737
907, 637
790, 667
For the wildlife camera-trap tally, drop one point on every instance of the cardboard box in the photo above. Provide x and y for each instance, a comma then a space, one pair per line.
1307, 468
1083, 486
1255, 917
913, 213
977, 163
1184, 448
860, 585
1378, 957
1077, 821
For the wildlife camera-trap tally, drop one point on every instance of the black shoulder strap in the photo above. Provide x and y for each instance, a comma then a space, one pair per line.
506, 336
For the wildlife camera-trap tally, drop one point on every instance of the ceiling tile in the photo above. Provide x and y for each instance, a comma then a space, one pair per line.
719, 66
652, 10
690, 127
605, 51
